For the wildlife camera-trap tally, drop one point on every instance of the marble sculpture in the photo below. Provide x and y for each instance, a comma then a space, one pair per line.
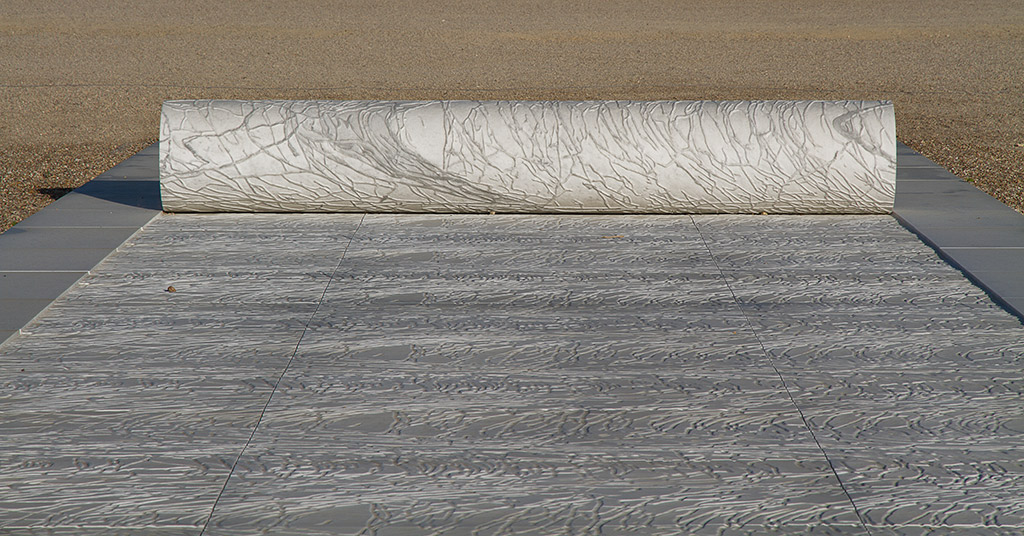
517, 156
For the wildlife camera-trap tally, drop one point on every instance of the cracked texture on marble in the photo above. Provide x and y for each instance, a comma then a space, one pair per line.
520, 156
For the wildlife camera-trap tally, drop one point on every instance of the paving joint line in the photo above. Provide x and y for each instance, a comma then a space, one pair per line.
284, 371
785, 386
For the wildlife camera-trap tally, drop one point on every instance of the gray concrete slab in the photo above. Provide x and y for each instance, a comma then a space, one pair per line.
20, 238
977, 236
409, 374
36, 285
955, 216
934, 187
923, 173
141, 166
870, 353
1009, 285
62, 217
74, 233
52, 259
913, 161
134, 401
40, 263
903, 149
76, 200
136, 193
968, 228
960, 202
977, 259
902, 433
479, 372
907, 158
15, 313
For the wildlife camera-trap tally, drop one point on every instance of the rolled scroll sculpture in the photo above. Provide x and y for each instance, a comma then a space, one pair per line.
781, 157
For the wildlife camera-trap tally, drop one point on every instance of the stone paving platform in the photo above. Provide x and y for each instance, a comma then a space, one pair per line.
45, 254
431, 374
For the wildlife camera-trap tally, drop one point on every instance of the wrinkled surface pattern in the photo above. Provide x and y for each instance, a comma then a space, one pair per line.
519, 156
513, 374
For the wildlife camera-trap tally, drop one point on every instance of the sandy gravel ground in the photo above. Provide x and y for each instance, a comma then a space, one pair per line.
81, 82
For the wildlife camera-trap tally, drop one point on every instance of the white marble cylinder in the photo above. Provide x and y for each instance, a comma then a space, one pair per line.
779, 157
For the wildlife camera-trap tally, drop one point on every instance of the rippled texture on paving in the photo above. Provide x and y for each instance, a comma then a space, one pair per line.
515, 375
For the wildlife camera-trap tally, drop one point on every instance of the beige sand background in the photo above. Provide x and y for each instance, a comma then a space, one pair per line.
81, 82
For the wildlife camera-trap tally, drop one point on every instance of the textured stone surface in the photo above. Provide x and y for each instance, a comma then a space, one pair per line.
516, 156
525, 374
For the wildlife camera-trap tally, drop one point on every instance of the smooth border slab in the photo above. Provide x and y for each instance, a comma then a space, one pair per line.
47, 253
970, 229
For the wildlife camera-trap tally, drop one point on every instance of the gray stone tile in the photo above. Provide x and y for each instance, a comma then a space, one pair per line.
149, 347
35, 285
887, 348
912, 159
60, 217
262, 225
442, 353
577, 277
793, 324
912, 489
897, 259
949, 214
963, 200
935, 187
918, 405
908, 375
923, 428
15, 313
796, 275
138, 433
199, 284
483, 371
699, 489
73, 530
78, 201
906, 293
742, 233
998, 259
926, 218
977, 236
215, 264
51, 259
514, 408
102, 414
21, 238
904, 149
422, 348
179, 315
143, 165
132, 416
131, 192
1014, 304
923, 173
172, 487
1009, 284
